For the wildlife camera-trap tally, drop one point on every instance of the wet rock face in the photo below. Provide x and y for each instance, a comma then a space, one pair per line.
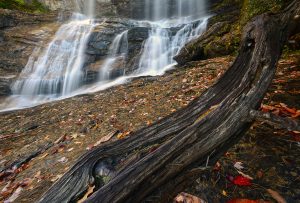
59, 4
20, 34
5, 83
103, 35
134, 9
6, 20
99, 44
136, 39
209, 45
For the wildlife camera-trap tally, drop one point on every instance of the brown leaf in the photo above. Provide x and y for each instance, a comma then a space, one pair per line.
187, 198
246, 201
105, 138
87, 194
15, 195
276, 196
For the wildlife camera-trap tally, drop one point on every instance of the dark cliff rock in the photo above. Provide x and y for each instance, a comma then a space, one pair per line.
99, 49
136, 39
205, 46
103, 35
12, 18
20, 34
5, 83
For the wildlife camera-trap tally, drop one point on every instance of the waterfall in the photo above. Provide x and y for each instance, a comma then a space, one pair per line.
86, 7
162, 45
58, 71
165, 9
118, 51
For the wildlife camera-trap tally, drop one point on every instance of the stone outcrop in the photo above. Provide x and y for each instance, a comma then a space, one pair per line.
205, 46
12, 18
20, 34
100, 42
59, 4
5, 83
136, 39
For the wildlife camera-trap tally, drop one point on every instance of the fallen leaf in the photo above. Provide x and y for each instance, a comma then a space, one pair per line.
63, 160
187, 198
7, 190
38, 175
74, 136
241, 181
14, 196
246, 201
87, 194
296, 135
56, 178
275, 195
238, 165
224, 193
217, 166
259, 174
105, 138
266, 108
123, 135
89, 147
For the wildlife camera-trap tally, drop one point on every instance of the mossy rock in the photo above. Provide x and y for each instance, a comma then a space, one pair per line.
252, 8
217, 41
33, 6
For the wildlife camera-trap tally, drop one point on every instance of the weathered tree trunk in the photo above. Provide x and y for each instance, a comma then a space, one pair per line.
154, 163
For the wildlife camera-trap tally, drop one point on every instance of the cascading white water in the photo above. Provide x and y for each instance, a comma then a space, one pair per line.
161, 46
157, 10
118, 50
58, 71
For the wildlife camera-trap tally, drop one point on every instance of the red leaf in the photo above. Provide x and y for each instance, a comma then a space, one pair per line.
246, 201
241, 181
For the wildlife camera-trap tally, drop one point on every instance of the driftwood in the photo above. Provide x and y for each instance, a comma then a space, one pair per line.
157, 162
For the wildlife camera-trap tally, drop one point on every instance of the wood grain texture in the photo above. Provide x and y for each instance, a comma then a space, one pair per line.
191, 138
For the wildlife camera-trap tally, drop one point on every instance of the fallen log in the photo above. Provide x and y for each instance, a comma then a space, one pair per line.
157, 162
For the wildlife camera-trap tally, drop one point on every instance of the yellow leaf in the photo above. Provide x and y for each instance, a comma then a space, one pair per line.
123, 135
224, 193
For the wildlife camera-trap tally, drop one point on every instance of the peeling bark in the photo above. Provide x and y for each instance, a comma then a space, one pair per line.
156, 162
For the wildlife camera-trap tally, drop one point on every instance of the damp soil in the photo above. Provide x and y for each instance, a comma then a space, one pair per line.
67, 129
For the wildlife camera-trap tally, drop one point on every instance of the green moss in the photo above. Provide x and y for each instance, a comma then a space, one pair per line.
253, 8
33, 7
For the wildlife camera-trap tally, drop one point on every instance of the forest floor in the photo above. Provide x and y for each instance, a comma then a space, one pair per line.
67, 129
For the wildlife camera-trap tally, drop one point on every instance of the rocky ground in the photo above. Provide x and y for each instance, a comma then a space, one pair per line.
67, 129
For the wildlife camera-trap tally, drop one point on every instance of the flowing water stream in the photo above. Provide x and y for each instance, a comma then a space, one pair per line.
58, 72
118, 51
